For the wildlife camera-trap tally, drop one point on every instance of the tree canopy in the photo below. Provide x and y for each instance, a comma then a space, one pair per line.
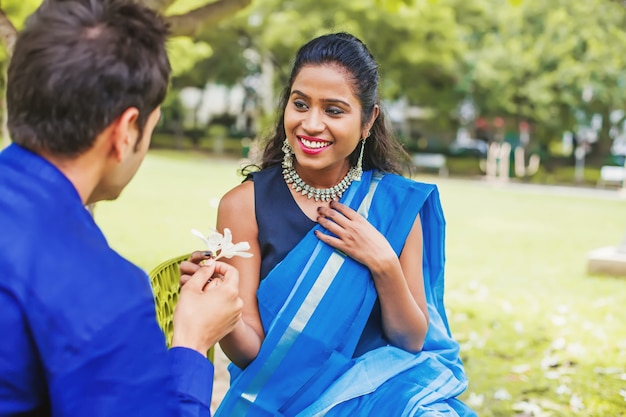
185, 17
544, 63
521, 60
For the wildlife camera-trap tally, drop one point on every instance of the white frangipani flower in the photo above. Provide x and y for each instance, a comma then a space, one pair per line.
230, 249
222, 246
213, 241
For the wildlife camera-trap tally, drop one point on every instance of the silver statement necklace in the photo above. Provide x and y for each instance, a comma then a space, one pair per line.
320, 194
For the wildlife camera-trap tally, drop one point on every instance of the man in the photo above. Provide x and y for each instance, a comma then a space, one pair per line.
79, 334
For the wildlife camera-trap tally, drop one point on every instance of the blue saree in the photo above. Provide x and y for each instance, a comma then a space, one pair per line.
314, 305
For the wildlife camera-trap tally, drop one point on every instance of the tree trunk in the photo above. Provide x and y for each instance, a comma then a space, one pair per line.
158, 5
6, 139
187, 24
8, 33
602, 149
8, 36
604, 140
190, 23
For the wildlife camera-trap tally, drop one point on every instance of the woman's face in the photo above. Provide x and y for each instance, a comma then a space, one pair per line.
323, 118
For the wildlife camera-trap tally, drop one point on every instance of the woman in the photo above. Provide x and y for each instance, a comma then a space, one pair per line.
343, 300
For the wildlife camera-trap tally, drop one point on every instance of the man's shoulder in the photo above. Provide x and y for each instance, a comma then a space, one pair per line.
54, 258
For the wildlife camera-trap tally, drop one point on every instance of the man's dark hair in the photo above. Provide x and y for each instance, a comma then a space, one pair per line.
77, 66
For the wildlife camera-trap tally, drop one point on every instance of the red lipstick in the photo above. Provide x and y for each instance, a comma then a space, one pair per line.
312, 151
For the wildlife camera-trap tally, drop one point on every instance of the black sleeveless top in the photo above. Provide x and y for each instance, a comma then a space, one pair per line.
282, 224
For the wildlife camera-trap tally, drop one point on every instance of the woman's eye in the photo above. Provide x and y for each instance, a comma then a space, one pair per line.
334, 111
299, 105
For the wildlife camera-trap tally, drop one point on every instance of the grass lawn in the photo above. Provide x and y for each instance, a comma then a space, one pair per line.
539, 337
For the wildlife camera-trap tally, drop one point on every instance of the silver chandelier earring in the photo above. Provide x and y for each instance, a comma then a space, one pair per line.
288, 157
359, 164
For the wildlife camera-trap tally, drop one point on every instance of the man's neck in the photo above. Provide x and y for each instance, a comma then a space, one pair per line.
83, 171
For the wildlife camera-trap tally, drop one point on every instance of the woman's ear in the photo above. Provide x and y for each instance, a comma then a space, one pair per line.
124, 133
370, 123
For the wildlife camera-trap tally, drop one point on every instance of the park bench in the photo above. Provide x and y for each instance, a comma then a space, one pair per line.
432, 161
611, 175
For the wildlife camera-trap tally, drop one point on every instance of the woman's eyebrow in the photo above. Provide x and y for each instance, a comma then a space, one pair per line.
325, 100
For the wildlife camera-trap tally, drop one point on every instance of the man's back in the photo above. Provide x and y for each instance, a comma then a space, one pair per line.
81, 308
80, 337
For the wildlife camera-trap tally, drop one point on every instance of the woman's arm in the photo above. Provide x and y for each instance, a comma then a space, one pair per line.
399, 280
236, 212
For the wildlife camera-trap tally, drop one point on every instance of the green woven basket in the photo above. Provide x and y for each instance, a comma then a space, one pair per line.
165, 279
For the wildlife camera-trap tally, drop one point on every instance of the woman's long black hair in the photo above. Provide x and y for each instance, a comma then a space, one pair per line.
383, 150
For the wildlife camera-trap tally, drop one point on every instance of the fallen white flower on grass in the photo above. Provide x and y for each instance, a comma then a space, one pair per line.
622, 392
559, 344
502, 395
607, 371
520, 369
529, 408
475, 400
563, 390
576, 403
576, 349
553, 375
222, 246
563, 309
474, 341
550, 362
558, 320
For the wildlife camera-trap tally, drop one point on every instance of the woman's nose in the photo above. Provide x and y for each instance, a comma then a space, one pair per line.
313, 122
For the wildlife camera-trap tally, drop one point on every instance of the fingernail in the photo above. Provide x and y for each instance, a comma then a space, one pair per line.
208, 254
210, 262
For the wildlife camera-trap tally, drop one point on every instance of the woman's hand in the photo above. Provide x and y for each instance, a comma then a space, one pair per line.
192, 265
354, 236
399, 281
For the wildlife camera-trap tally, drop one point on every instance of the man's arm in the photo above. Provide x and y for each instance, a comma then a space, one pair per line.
102, 353
125, 371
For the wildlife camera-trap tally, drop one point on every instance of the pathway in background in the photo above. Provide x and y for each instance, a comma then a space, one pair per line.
221, 380
610, 193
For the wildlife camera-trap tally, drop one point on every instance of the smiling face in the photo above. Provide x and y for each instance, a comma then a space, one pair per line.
323, 120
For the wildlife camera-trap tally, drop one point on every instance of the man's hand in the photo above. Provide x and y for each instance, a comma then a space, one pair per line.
208, 307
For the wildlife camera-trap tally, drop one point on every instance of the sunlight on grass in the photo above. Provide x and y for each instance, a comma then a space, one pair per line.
171, 194
539, 337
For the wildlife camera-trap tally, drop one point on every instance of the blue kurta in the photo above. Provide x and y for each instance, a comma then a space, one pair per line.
79, 333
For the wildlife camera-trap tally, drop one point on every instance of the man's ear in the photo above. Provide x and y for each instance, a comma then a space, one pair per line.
124, 133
